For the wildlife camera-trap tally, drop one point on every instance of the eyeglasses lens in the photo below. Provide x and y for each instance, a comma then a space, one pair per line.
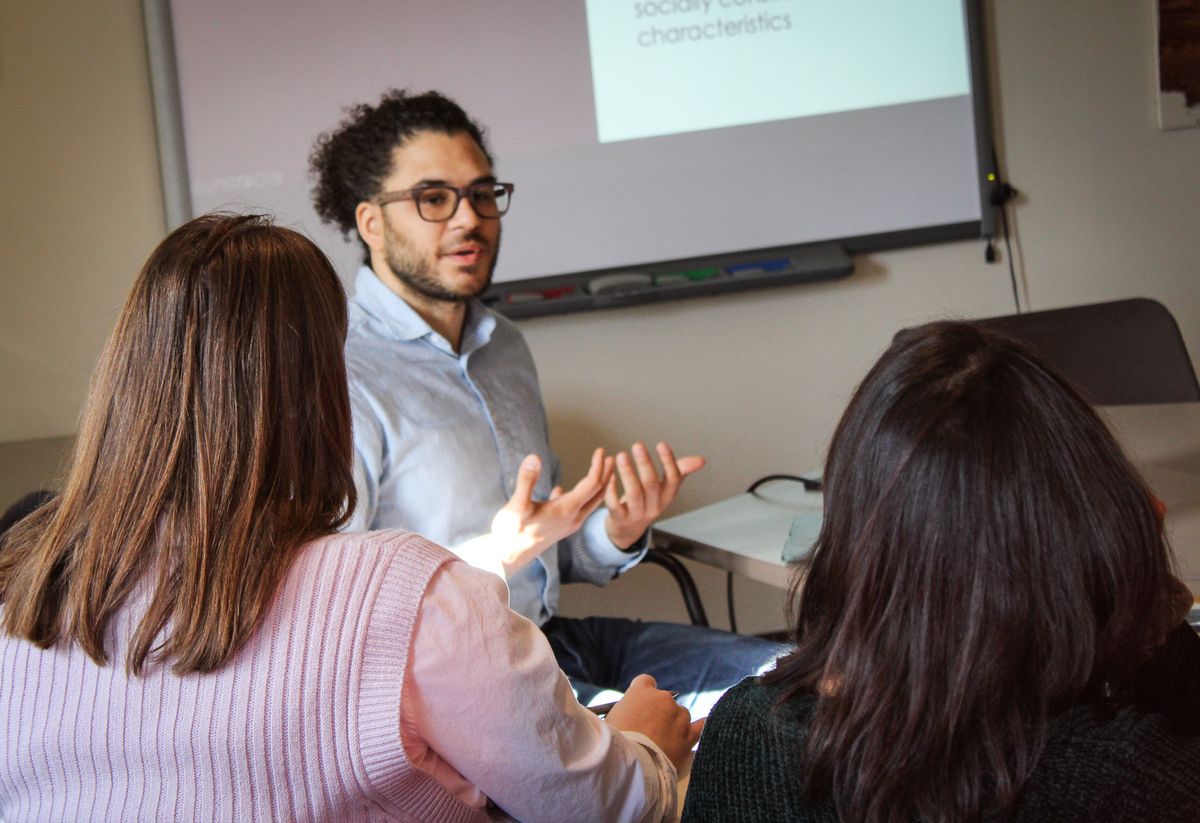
438, 203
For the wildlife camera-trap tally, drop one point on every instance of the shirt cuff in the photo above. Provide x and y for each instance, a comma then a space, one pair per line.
659, 769
604, 550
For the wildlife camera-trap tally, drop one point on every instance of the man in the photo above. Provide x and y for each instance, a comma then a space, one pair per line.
450, 432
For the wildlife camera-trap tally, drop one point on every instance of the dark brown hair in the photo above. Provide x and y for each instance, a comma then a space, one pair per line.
214, 442
349, 164
987, 557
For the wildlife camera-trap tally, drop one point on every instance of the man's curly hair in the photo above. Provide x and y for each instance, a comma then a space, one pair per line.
350, 163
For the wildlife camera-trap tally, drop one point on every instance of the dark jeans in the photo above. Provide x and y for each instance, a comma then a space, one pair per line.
603, 654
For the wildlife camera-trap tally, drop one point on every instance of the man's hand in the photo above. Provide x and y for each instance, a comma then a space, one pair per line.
523, 529
650, 711
646, 493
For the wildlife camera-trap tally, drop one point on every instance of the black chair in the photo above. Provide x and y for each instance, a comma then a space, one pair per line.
1118, 353
687, 586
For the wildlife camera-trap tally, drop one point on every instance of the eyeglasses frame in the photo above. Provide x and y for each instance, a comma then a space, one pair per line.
383, 198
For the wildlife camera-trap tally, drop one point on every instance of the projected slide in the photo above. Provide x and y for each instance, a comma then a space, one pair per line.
672, 66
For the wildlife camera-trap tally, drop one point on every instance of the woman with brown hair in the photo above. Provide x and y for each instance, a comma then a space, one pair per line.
185, 636
989, 628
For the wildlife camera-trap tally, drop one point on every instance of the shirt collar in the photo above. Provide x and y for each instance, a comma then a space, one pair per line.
400, 321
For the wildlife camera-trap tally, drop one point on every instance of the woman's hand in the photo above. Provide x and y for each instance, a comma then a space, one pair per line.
653, 712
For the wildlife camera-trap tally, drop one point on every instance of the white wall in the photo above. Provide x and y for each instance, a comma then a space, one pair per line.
79, 202
1110, 209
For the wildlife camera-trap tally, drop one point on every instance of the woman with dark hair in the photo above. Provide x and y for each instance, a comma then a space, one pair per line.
184, 635
18, 511
989, 628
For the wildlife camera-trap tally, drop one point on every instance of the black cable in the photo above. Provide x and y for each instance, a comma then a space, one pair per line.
1012, 267
1001, 195
810, 485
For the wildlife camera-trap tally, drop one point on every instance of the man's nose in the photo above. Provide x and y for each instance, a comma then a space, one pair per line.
465, 215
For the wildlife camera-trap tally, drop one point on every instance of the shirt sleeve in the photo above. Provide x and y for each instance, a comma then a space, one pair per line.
481, 553
595, 534
368, 465
589, 556
486, 711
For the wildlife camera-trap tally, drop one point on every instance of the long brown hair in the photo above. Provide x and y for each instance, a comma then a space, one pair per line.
214, 442
988, 557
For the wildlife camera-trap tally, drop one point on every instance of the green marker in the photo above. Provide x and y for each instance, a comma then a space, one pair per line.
691, 275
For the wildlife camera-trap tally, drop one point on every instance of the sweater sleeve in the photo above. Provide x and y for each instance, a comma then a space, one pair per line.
715, 767
486, 711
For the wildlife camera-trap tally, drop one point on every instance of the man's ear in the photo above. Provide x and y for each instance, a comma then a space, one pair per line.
369, 219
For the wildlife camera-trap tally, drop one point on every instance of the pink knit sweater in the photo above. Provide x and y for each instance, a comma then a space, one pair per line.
302, 724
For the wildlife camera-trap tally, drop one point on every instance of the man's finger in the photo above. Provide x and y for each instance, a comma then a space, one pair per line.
611, 499
610, 466
674, 473
596, 469
527, 477
596, 477
689, 464
582, 500
648, 476
671, 472
673, 478
594, 503
645, 466
590, 484
634, 498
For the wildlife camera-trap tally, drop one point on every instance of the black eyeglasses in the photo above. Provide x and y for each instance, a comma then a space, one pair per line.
437, 204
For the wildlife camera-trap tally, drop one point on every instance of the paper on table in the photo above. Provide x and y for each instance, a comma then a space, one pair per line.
806, 526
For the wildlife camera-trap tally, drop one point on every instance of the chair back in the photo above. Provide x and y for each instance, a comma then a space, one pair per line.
1118, 353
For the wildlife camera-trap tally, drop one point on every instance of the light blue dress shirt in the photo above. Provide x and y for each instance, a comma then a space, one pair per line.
439, 436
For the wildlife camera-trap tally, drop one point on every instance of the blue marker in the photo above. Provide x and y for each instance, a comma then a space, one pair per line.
759, 267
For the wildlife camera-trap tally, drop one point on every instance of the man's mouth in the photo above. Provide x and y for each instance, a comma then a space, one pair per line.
467, 254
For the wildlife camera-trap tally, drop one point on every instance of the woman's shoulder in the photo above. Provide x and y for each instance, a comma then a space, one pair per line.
1115, 736
388, 557
1162, 710
753, 698
381, 541
1133, 763
753, 716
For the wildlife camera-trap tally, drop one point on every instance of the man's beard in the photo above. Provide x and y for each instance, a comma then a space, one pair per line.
415, 270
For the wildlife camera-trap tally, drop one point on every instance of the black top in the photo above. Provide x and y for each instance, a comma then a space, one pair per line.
1140, 764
